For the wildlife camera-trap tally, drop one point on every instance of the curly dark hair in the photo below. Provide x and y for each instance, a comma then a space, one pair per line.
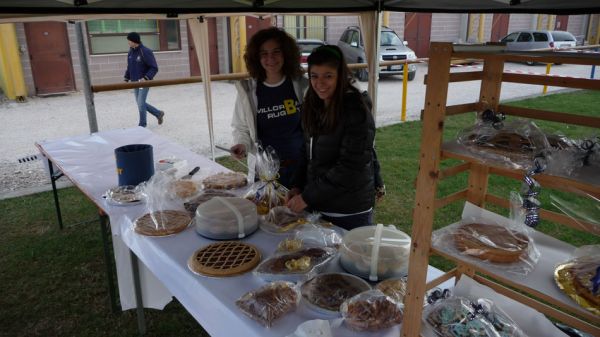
289, 48
316, 118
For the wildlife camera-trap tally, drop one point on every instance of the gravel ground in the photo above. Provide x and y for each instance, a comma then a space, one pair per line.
42, 118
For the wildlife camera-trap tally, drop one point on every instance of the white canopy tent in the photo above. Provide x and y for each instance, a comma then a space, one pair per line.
194, 11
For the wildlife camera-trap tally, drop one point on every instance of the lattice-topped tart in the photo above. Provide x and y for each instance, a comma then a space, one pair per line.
227, 258
493, 243
225, 181
162, 223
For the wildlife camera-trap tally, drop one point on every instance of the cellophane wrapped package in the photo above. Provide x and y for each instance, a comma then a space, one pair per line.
567, 156
269, 302
490, 241
267, 192
295, 266
579, 277
584, 209
317, 232
371, 310
165, 215
513, 144
282, 220
458, 316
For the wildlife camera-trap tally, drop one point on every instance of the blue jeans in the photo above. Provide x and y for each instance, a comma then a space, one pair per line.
352, 221
140, 98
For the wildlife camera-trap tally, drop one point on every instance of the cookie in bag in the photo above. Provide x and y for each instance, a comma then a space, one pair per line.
270, 302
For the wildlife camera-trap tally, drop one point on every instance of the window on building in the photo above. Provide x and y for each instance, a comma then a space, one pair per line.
305, 27
110, 36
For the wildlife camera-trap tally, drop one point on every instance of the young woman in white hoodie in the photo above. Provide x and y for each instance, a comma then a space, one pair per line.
268, 106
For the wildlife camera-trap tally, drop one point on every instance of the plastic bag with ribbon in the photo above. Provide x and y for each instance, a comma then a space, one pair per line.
457, 316
513, 144
267, 192
165, 215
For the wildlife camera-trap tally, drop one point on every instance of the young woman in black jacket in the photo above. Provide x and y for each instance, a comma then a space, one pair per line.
336, 177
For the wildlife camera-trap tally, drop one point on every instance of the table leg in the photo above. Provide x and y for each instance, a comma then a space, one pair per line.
138, 294
53, 180
105, 232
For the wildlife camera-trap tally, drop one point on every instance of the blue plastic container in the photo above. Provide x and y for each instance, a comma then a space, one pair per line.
135, 163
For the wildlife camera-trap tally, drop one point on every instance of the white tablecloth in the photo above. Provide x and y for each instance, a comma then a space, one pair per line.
89, 162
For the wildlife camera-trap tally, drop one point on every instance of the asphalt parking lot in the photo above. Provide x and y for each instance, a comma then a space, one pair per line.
186, 123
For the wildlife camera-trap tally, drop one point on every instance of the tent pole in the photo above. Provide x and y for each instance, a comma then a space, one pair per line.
85, 74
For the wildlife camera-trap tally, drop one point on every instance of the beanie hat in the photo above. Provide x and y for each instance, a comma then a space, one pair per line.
134, 37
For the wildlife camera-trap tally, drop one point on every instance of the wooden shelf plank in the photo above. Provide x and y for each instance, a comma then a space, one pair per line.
457, 151
541, 307
550, 116
550, 216
555, 81
454, 170
460, 195
540, 278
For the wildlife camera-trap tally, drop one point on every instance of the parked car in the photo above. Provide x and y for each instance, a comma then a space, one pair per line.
391, 48
306, 47
539, 39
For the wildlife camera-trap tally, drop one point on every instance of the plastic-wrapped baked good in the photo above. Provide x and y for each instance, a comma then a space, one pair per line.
295, 266
580, 277
267, 192
225, 181
226, 218
394, 288
269, 302
459, 317
375, 252
206, 195
326, 292
282, 220
371, 311
162, 223
490, 242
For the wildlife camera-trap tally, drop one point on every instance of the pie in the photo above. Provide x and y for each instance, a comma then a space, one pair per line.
225, 181
227, 258
492, 243
162, 223
329, 291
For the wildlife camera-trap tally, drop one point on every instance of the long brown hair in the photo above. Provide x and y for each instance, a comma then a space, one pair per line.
316, 118
291, 53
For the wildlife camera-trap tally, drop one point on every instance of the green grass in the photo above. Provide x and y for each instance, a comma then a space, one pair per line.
53, 282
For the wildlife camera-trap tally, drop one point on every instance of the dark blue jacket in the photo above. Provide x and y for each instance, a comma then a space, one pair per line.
140, 64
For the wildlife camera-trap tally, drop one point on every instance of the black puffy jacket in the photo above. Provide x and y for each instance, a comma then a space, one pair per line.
337, 175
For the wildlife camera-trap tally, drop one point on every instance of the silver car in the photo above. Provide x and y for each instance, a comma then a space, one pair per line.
539, 39
391, 48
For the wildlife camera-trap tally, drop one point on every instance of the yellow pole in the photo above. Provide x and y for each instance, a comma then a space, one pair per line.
539, 22
597, 40
386, 19
404, 87
12, 80
548, 66
471, 27
481, 27
238, 43
549, 22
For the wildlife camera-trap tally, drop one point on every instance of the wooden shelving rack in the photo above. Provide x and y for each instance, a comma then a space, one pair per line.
554, 305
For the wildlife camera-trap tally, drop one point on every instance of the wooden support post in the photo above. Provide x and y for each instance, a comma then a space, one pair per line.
427, 179
478, 183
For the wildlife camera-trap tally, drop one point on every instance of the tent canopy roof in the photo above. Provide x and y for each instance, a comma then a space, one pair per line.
78, 9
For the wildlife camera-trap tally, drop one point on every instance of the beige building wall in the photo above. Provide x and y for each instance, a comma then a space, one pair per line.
445, 27
520, 22
106, 69
336, 26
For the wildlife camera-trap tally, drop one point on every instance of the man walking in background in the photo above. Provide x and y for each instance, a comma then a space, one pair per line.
141, 66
